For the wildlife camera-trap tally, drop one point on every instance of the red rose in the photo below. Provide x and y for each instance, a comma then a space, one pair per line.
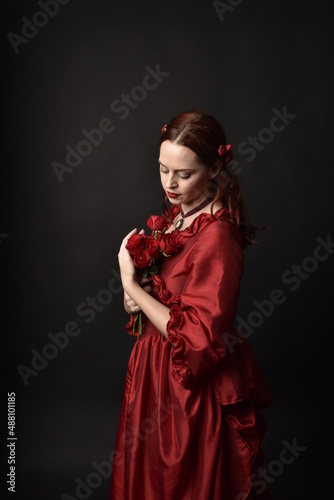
152, 246
157, 222
169, 244
142, 259
135, 244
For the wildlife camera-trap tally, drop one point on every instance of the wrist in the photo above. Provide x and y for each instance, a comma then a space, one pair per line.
130, 284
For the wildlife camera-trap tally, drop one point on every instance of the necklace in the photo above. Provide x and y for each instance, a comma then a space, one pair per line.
180, 222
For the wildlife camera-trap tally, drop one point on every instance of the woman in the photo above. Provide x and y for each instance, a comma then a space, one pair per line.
190, 426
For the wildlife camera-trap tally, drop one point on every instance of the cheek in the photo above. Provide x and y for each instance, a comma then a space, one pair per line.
197, 184
190, 186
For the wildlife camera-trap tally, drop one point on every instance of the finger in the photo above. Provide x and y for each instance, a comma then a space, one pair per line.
131, 303
147, 289
133, 307
148, 279
131, 233
126, 238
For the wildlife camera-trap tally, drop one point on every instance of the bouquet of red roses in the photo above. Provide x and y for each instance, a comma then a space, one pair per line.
147, 252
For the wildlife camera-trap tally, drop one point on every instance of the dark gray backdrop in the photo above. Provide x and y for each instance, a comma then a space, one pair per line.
243, 61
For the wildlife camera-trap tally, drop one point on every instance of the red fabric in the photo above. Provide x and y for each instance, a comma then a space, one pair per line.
190, 426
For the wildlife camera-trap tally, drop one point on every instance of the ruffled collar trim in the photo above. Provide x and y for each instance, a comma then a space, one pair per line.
202, 219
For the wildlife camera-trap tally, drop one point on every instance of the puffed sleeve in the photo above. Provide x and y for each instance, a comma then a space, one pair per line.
207, 304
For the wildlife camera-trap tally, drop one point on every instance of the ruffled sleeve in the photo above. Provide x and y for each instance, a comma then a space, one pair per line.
207, 305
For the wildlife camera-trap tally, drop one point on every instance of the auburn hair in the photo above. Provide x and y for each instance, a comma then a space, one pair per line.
203, 134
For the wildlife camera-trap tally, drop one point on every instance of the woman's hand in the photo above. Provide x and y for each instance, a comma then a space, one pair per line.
126, 265
136, 297
129, 304
129, 275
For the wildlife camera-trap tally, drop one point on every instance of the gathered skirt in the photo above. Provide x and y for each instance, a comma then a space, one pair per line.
177, 444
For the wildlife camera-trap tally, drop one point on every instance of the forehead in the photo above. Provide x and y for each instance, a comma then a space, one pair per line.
176, 156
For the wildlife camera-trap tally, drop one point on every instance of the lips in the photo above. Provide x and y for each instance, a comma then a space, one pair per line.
172, 195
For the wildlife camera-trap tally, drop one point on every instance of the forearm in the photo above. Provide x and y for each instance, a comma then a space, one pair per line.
156, 312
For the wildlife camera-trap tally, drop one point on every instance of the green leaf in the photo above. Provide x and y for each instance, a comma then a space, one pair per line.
153, 270
140, 325
134, 323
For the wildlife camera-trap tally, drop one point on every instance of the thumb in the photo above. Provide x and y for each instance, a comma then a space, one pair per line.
142, 231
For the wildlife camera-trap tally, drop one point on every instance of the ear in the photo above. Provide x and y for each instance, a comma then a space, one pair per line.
215, 170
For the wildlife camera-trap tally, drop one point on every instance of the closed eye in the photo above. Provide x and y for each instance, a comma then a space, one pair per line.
165, 171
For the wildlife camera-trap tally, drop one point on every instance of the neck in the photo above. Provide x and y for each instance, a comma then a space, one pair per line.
190, 212
187, 210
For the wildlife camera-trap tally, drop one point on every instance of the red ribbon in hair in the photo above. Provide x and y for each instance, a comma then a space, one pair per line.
225, 152
164, 128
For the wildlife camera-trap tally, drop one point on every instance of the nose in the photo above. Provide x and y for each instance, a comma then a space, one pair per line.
171, 181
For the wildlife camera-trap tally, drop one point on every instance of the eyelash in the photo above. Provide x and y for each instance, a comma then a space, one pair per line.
187, 176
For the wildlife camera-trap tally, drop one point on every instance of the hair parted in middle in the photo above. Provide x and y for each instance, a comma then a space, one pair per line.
205, 136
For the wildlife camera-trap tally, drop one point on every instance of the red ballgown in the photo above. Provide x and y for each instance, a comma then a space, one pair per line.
190, 426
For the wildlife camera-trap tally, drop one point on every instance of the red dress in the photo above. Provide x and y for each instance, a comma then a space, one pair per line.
190, 426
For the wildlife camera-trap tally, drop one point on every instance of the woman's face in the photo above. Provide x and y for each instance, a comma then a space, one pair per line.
183, 177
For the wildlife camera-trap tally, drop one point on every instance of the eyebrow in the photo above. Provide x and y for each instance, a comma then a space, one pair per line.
179, 169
